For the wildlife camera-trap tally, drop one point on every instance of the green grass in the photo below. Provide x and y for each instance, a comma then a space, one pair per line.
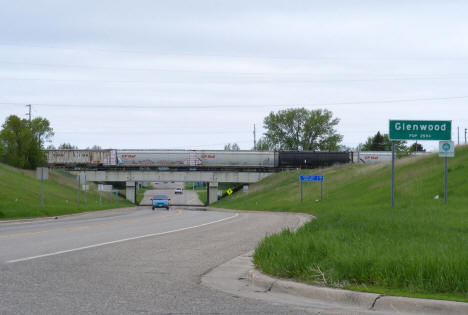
20, 195
141, 193
190, 186
419, 248
202, 196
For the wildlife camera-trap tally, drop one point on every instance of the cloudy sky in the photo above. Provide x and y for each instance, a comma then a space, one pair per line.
200, 74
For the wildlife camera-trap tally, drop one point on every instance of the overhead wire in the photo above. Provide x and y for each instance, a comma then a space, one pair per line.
230, 73
213, 55
113, 106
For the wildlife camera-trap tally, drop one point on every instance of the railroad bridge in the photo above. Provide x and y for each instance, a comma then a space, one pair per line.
132, 177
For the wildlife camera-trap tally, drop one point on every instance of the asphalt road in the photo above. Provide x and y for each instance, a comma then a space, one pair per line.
188, 197
130, 261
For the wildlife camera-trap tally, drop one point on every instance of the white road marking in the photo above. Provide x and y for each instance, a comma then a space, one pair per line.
117, 241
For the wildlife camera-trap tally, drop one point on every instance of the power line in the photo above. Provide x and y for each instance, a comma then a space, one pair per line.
230, 73
64, 105
285, 80
211, 55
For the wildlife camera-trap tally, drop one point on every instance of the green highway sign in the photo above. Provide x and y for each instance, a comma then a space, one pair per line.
420, 130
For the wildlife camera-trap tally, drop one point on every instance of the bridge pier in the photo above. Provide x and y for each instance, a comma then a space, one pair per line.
212, 192
130, 191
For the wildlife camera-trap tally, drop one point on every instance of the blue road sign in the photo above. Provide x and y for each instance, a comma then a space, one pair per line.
311, 178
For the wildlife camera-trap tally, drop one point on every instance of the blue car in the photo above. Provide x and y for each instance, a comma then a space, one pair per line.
160, 201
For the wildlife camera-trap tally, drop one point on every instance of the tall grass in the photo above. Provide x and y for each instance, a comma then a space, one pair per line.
420, 247
20, 195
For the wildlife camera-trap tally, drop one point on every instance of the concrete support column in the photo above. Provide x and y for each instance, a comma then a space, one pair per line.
212, 192
130, 191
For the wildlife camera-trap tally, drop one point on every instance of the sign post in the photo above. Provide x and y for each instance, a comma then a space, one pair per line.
245, 189
42, 173
301, 191
445, 181
312, 178
393, 173
446, 150
418, 130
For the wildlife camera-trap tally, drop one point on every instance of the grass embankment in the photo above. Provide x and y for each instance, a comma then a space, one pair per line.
357, 241
20, 195
141, 192
202, 190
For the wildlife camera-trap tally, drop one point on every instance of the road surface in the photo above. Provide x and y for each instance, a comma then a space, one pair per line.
130, 261
188, 197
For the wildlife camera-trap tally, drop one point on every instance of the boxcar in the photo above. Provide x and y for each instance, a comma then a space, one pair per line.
312, 159
81, 157
197, 158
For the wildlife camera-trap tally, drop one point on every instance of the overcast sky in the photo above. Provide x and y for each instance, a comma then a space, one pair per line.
199, 74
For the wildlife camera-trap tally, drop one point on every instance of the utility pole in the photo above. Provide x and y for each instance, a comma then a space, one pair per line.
255, 139
29, 113
458, 133
465, 135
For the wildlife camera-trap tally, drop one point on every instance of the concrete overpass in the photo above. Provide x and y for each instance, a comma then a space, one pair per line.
131, 177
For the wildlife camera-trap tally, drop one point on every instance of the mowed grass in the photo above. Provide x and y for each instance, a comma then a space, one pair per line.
20, 195
357, 241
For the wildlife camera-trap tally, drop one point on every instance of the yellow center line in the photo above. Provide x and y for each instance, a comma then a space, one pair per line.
82, 227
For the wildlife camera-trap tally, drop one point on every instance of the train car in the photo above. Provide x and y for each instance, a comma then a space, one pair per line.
312, 159
197, 159
371, 157
81, 157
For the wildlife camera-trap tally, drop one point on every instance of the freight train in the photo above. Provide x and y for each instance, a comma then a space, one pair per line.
194, 159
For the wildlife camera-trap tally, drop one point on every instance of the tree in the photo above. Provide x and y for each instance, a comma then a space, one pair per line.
263, 145
231, 147
377, 143
67, 146
22, 141
416, 147
382, 142
302, 129
345, 148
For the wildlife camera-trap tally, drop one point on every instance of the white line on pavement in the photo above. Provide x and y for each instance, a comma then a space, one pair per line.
118, 241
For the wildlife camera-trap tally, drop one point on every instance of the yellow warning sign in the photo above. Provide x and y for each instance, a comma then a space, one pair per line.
229, 191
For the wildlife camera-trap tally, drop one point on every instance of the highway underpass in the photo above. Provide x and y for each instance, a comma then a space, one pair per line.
132, 177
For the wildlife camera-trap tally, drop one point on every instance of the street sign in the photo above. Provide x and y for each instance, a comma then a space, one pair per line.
311, 178
446, 148
420, 130
245, 188
229, 191
42, 173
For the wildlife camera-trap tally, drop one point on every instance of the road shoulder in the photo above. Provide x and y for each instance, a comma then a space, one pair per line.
239, 276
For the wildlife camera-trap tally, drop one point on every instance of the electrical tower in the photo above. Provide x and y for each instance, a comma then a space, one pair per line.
255, 140
29, 113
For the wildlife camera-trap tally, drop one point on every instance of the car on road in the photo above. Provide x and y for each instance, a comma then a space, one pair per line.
178, 190
160, 201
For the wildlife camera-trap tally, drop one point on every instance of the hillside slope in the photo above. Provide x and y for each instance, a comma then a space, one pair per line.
20, 195
418, 248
